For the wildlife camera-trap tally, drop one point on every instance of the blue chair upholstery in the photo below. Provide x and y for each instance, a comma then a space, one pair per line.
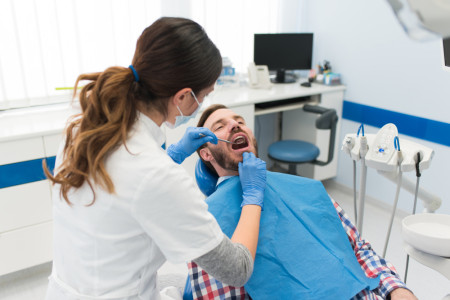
294, 152
206, 179
187, 293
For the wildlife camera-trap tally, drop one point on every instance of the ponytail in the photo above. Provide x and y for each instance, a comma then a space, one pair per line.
109, 110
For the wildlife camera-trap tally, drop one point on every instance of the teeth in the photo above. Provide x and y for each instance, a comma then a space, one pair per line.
239, 140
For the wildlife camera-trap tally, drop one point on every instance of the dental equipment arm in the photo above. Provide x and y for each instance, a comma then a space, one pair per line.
423, 19
430, 202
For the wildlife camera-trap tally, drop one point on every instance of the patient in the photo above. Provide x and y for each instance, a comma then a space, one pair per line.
307, 249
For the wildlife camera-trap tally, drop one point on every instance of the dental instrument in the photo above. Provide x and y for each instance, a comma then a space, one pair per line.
222, 140
226, 141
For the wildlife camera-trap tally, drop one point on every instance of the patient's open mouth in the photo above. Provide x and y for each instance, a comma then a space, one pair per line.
239, 142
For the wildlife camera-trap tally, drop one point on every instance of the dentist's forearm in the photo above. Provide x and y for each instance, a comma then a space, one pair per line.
230, 263
247, 230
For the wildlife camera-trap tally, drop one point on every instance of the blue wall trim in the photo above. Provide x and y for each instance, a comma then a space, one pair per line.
24, 172
421, 128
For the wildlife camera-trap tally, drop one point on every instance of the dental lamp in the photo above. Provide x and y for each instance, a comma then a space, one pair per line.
425, 20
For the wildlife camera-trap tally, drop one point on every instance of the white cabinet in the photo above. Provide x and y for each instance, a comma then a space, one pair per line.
21, 150
25, 247
51, 144
25, 203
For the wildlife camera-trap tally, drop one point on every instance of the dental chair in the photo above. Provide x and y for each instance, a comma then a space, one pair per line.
295, 152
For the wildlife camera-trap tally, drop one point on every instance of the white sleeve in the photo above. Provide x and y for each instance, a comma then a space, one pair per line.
171, 209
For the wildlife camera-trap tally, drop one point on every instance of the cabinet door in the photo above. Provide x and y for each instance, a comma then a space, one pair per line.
21, 150
26, 247
25, 205
52, 144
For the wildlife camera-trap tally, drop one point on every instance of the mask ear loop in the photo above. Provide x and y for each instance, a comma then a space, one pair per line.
180, 111
193, 95
195, 98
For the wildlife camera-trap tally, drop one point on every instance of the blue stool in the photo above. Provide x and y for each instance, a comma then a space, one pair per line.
294, 152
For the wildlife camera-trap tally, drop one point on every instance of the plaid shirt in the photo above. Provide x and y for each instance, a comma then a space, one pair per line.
206, 287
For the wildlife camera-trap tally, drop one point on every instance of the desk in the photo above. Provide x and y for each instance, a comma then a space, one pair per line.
35, 133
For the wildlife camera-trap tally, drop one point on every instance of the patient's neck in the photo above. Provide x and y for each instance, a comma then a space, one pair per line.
224, 172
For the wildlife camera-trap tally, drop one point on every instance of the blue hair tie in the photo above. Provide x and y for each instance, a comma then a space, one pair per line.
136, 76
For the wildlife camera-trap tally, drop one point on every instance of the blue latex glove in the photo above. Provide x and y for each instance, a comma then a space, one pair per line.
252, 174
193, 138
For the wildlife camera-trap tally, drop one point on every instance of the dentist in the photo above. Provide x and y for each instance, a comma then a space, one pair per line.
122, 205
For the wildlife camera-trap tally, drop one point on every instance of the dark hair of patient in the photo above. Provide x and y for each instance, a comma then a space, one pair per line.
171, 54
201, 122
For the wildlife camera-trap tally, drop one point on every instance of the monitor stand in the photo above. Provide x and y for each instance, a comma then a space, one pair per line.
282, 78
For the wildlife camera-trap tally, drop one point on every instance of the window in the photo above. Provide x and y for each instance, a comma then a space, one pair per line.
46, 44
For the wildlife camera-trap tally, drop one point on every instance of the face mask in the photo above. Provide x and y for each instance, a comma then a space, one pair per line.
180, 120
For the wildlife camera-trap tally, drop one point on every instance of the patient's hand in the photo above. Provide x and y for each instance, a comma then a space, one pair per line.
402, 294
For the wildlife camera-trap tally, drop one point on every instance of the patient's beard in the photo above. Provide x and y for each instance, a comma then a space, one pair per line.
226, 160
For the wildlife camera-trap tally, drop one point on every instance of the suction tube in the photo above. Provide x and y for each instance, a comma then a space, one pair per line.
362, 189
418, 174
397, 193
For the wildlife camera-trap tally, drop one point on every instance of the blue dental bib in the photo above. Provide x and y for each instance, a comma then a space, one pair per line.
303, 250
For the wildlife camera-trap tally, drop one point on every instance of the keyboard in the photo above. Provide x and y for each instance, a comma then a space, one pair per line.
275, 103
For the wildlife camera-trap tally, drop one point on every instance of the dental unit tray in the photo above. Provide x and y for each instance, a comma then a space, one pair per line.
429, 233
380, 155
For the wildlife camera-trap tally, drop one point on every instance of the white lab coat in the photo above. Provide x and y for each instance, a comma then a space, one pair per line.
113, 249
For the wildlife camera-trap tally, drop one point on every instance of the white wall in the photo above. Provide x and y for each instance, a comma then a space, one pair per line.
383, 67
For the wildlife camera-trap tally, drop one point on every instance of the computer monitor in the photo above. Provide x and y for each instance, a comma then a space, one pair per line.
283, 51
446, 47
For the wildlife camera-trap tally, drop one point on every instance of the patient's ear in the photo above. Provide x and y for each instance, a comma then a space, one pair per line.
206, 155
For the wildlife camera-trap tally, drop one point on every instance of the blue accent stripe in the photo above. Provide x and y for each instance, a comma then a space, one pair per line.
421, 128
24, 172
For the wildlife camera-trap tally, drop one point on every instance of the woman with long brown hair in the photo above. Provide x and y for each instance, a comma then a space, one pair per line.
122, 205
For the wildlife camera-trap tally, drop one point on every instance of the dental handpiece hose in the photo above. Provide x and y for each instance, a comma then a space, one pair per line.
355, 208
418, 174
362, 190
397, 193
